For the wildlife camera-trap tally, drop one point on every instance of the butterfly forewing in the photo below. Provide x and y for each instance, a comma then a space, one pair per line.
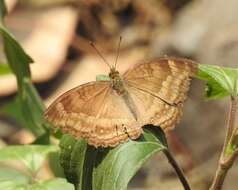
168, 79
94, 111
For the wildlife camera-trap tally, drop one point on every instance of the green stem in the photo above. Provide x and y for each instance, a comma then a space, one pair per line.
177, 169
226, 161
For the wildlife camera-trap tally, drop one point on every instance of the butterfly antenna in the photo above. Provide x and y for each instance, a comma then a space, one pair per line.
118, 50
100, 55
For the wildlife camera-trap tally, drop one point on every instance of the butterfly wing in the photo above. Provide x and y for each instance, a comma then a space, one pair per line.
95, 112
159, 89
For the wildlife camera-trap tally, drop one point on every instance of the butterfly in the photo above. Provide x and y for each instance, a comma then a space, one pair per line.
109, 112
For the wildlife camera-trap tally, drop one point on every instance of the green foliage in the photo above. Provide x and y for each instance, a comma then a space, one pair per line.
11, 179
4, 69
12, 109
53, 184
109, 168
28, 101
15, 108
233, 144
3, 10
27, 108
32, 156
54, 164
102, 78
221, 81
66, 145
32, 109
17, 58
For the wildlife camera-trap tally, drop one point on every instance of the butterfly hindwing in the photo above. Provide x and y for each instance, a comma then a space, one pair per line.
160, 88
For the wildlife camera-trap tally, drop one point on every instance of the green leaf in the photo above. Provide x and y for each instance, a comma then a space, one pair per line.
102, 78
54, 164
86, 165
27, 110
28, 100
122, 163
9, 174
53, 184
221, 81
4, 69
32, 109
17, 58
67, 144
32, 156
12, 109
3, 10
77, 159
11, 179
43, 139
108, 168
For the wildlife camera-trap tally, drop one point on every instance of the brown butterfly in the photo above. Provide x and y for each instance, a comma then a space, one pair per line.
107, 113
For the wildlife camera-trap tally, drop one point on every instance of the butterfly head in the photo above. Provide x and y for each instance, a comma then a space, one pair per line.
114, 74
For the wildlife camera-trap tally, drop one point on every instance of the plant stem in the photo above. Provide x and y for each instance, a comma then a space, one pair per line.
230, 123
177, 169
226, 161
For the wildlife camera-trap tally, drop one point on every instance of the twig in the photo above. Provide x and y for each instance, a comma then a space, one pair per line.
226, 161
177, 169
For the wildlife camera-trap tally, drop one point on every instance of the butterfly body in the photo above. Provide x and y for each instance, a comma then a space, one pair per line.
109, 112
117, 82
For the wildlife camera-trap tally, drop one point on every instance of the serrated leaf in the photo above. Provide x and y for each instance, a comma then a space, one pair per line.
32, 156
109, 168
221, 81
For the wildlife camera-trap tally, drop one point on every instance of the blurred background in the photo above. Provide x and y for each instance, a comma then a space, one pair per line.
57, 34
